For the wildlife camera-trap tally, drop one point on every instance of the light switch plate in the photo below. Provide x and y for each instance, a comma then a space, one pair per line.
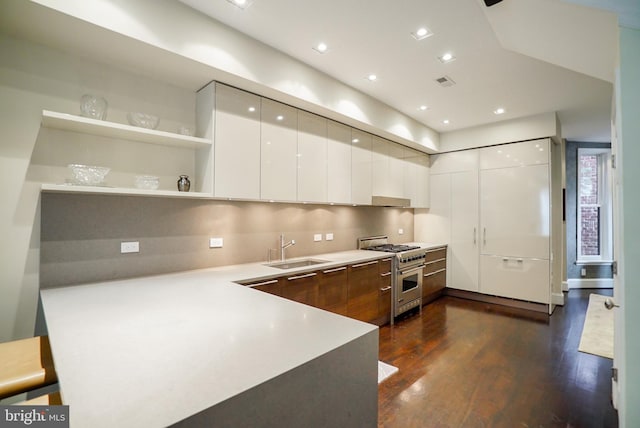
317, 237
215, 242
129, 247
329, 237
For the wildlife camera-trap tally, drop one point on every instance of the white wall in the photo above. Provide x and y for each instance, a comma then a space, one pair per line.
508, 131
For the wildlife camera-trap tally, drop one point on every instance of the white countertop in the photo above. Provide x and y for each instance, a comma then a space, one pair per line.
152, 351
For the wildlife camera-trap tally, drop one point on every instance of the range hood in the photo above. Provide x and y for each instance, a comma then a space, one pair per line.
388, 201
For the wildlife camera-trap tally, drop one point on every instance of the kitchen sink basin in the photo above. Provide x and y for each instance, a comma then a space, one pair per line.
296, 263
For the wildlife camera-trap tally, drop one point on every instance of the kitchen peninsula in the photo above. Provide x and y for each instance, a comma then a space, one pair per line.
195, 348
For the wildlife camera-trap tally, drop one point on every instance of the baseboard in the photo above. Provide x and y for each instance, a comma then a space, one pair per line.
565, 286
505, 301
590, 282
557, 299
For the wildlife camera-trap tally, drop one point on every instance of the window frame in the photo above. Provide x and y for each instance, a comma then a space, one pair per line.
605, 225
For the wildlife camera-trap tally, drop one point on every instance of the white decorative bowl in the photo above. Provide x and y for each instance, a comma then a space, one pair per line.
88, 175
143, 120
147, 182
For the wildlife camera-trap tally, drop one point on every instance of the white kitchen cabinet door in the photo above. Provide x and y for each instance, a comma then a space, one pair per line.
361, 180
416, 178
237, 144
516, 278
338, 163
278, 150
516, 154
396, 170
463, 261
436, 222
312, 157
381, 167
515, 211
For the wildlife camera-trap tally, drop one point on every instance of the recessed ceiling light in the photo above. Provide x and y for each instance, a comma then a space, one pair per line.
279, 117
321, 47
422, 33
252, 109
499, 110
423, 108
446, 121
447, 57
355, 140
372, 78
242, 4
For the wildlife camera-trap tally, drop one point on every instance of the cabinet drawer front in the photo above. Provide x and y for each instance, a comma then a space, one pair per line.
516, 278
433, 255
435, 266
434, 282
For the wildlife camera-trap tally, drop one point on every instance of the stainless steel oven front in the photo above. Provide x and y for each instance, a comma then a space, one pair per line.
408, 288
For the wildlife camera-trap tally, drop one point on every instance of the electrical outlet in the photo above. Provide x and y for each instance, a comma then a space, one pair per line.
400, 231
317, 237
215, 242
129, 247
329, 237
583, 272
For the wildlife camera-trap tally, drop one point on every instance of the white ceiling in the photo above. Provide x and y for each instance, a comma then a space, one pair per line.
506, 56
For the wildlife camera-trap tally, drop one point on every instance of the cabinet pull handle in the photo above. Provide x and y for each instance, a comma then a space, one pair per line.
334, 270
484, 236
273, 281
385, 288
474, 236
505, 259
385, 274
386, 260
364, 264
435, 272
435, 261
520, 260
309, 275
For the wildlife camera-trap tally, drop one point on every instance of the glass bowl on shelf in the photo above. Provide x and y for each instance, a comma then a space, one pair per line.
88, 175
93, 107
143, 120
147, 182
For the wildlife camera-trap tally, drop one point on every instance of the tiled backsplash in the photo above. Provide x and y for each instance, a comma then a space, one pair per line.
81, 234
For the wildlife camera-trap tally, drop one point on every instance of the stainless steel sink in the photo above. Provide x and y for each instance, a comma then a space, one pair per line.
296, 263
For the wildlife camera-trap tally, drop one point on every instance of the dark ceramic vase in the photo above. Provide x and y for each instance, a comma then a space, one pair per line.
184, 184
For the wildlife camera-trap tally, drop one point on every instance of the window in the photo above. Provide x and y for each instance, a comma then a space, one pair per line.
594, 206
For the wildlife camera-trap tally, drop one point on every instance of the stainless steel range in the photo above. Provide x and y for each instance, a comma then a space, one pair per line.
408, 270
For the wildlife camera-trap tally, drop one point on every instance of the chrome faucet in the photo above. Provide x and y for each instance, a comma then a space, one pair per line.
283, 246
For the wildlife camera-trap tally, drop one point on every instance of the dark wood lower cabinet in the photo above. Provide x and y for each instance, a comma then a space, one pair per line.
271, 286
435, 275
332, 290
363, 291
384, 292
301, 288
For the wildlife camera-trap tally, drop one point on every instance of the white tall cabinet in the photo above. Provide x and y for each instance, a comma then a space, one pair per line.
493, 207
515, 213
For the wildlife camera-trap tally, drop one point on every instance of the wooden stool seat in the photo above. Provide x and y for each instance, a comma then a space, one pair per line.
25, 365
53, 399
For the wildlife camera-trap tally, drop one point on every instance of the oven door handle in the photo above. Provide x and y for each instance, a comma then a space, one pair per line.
417, 268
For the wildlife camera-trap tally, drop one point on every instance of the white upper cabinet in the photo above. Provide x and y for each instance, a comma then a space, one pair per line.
278, 149
517, 154
338, 163
237, 144
416, 178
361, 157
388, 168
312, 157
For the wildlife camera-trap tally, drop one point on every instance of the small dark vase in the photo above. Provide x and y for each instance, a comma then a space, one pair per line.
184, 184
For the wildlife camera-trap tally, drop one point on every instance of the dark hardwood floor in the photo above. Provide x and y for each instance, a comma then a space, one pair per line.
471, 364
